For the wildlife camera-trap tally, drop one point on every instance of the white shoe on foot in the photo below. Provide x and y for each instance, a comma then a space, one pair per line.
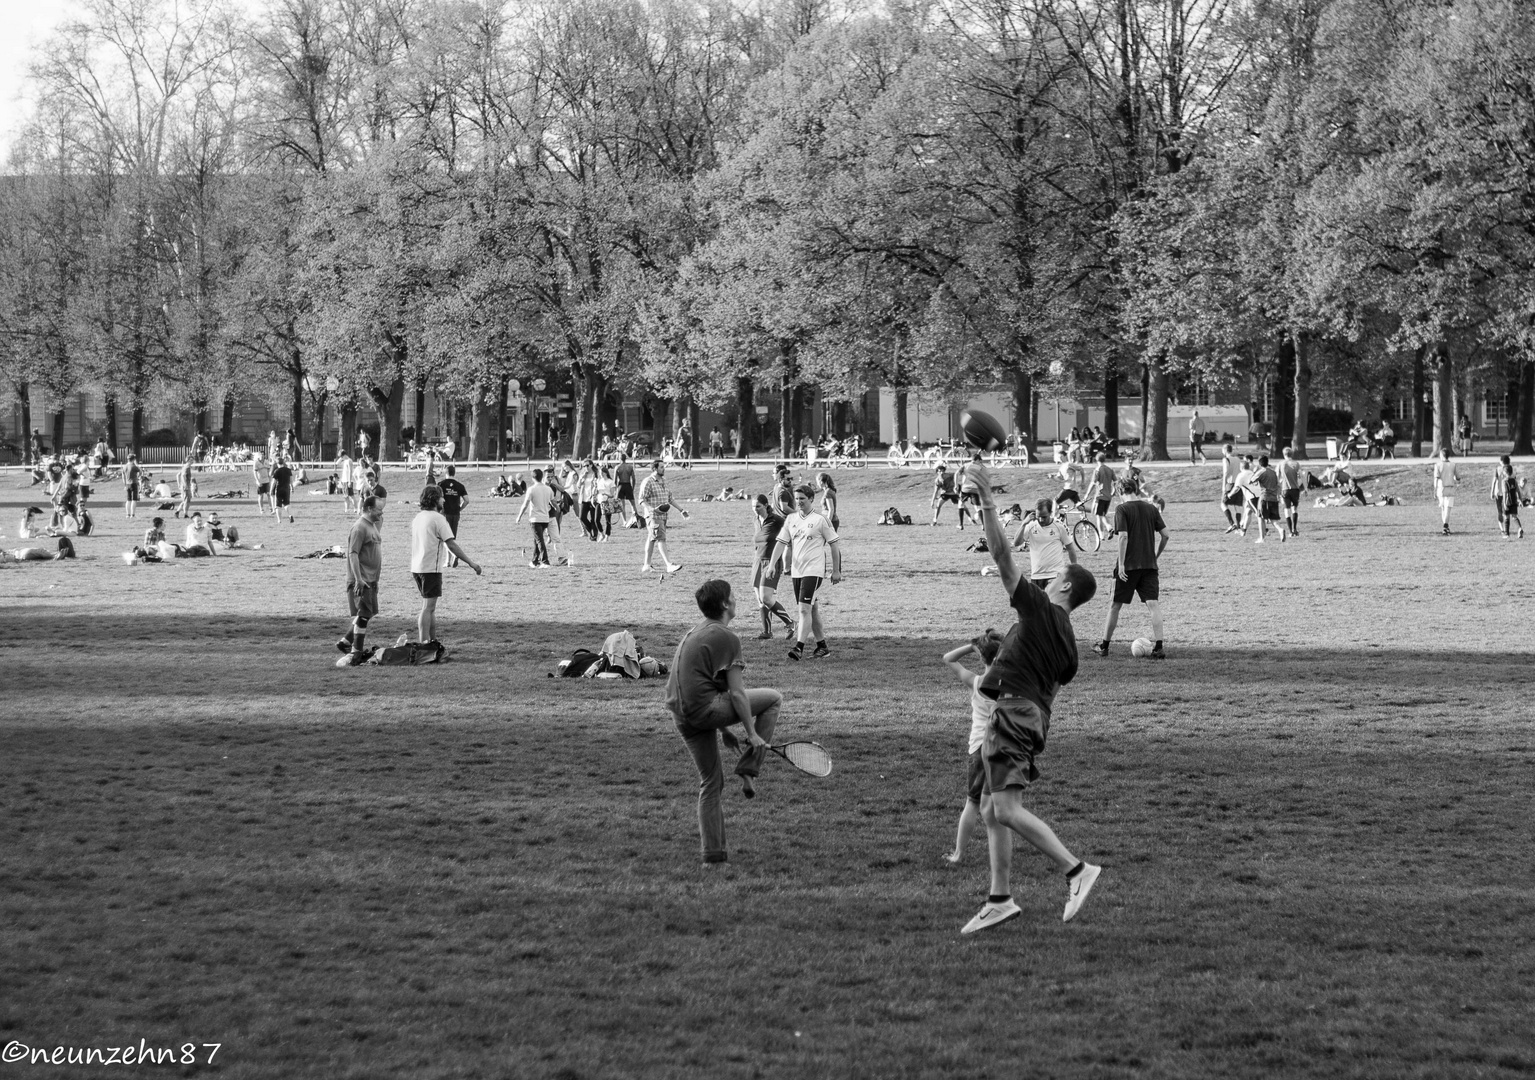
992, 915
673, 568
647, 568
1078, 888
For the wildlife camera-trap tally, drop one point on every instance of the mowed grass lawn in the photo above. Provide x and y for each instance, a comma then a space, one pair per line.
1314, 818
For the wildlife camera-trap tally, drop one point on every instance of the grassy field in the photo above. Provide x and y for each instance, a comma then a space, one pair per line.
1313, 818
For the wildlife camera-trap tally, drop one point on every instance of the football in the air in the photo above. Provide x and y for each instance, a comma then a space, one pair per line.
982, 430
1141, 646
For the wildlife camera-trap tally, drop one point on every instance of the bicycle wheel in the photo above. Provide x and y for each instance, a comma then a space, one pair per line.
1085, 535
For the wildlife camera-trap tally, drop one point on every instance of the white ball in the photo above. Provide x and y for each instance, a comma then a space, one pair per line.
1141, 647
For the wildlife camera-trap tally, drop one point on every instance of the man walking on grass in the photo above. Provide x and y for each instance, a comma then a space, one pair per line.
431, 542
1446, 479
1230, 498
364, 560
538, 500
1038, 656
1291, 483
454, 497
803, 541
657, 502
1142, 536
1196, 437
706, 694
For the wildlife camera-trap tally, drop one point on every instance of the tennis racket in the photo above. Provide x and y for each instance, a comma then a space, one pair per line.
807, 757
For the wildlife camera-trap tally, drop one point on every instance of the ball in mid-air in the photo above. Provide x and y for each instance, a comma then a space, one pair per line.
982, 430
1141, 646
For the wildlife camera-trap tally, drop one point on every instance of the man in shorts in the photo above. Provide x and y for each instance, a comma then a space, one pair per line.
1230, 499
1446, 479
969, 491
346, 470
803, 541
1048, 543
364, 560
943, 492
184, 506
766, 570
1196, 437
657, 501
1072, 481
282, 488
1292, 481
1266, 482
1101, 492
431, 542
132, 476
623, 477
454, 498
1142, 536
1038, 656
706, 694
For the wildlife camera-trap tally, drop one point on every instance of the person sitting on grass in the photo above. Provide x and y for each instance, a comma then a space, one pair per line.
29, 529
199, 538
985, 646
228, 535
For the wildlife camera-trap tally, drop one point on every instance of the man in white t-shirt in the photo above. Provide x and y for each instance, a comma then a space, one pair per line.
1048, 542
199, 537
431, 542
347, 478
1230, 498
539, 501
1446, 479
804, 540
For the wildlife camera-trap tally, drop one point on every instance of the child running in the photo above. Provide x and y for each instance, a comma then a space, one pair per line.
985, 646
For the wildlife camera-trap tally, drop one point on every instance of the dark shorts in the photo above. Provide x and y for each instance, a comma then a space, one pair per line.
1292, 497
452, 523
1067, 497
264, 489
762, 578
348, 490
805, 589
975, 777
971, 497
941, 497
1270, 510
1508, 506
361, 601
1103, 508
428, 585
1142, 583
1015, 736
626, 491
1235, 497
131, 493
282, 496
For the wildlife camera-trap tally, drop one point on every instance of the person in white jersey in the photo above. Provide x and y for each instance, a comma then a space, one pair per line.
1048, 544
431, 541
1446, 479
805, 540
1231, 499
347, 479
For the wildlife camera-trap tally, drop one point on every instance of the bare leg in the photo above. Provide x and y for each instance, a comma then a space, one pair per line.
969, 818
817, 631
1111, 622
426, 622
1156, 619
1008, 812
806, 615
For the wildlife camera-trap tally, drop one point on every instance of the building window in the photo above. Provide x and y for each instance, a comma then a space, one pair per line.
1495, 410
1395, 409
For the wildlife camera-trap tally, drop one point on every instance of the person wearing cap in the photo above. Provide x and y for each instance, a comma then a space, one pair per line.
803, 543
657, 502
943, 492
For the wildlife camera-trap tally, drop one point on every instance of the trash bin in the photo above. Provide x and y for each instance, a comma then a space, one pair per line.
1332, 449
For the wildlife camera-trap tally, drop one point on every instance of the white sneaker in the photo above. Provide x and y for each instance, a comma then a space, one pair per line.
1078, 888
672, 569
993, 915
647, 568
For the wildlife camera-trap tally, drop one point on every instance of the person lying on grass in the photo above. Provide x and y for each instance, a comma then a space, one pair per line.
66, 550
1037, 657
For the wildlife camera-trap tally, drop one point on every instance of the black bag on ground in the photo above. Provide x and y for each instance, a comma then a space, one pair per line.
575, 665
409, 654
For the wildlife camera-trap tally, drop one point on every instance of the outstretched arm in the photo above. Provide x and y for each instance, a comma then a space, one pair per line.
952, 658
996, 537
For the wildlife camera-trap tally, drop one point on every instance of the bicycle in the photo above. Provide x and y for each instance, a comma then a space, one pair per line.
1079, 526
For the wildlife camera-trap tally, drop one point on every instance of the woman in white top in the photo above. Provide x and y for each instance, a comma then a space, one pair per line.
607, 502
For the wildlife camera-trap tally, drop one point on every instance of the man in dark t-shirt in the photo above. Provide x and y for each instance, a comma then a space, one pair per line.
706, 695
454, 496
282, 489
1037, 657
1142, 536
623, 478
766, 570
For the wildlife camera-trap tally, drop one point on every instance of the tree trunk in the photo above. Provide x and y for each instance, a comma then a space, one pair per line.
1110, 398
58, 431
479, 427
348, 425
746, 405
111, 435
1145, 410
227, 427
319, 424
298, 406
1444, 403
698, 437
389, 406
199, 417
419, 404
24, 396
1156, 418
1023, 397
501, 439
1284, 392
1301, 346
902, 401
1417, 401
136, 435
596, 391
1033, 432
1522, 440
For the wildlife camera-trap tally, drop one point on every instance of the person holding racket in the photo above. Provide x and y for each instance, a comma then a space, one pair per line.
1038, 656
706, 694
